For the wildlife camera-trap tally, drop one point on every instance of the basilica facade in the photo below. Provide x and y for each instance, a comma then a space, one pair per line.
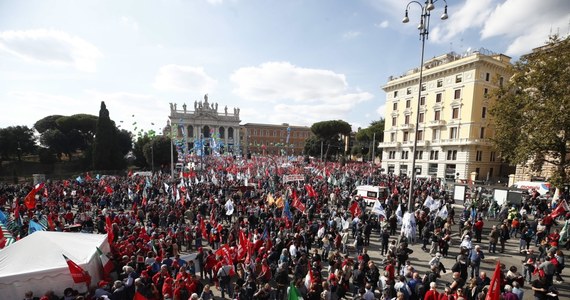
204, 129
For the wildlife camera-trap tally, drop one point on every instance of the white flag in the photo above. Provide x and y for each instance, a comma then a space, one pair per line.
399, 213
442, 213
378, 209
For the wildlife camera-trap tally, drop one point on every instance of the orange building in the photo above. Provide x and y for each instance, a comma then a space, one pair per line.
284, 139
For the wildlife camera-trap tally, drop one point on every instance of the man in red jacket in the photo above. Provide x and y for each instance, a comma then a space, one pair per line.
478, 227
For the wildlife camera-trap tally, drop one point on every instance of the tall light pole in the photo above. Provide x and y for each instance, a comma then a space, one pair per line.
423, 27
152, 157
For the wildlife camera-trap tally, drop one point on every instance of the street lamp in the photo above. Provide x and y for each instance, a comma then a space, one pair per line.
423, 27
152, 157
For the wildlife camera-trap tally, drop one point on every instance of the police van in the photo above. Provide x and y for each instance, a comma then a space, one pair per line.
370, 194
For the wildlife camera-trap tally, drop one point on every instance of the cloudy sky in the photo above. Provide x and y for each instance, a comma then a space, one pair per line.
294, 61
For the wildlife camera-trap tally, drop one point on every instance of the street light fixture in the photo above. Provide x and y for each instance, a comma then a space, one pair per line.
423, 27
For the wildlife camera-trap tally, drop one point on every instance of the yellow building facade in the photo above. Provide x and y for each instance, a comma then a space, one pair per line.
455, 128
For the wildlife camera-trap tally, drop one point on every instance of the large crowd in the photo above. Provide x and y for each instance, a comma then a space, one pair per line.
252, 235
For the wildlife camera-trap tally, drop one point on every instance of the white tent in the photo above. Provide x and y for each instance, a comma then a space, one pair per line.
35, 263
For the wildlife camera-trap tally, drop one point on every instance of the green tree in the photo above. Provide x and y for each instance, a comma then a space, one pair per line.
138, 152
330, 133
159, 148
106, 151
372, 134
64, 135
15, 141
530, 112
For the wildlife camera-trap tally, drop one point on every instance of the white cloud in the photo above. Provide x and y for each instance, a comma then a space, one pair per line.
130, 22
51, 47
312, 93
351, 35
383, 24
522, 25
184, 78
381, 110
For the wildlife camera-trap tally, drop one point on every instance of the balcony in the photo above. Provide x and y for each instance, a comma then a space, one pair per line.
436, 123
405, 127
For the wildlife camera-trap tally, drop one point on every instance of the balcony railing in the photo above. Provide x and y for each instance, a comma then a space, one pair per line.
436, 123
406, 127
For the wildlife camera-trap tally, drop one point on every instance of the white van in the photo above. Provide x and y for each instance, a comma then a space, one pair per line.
371, 193
542, 187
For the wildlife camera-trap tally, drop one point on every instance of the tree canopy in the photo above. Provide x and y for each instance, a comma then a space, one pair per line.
329, 133
530, 112
67, 134
15, 141
365, 137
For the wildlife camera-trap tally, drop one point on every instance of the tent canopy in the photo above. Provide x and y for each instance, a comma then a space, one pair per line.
35, 263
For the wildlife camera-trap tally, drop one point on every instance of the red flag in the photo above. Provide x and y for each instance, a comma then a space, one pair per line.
224, 252
87, 176
203, 228
30, 200
494, 292
355, 209
2, 238
130, 173
561, 209
297, 203
46, 192
51, 224
109, 228
139, 296
77, 273
108, 189
310, 191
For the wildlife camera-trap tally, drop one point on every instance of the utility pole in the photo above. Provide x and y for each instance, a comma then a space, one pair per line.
321, 150
374, 148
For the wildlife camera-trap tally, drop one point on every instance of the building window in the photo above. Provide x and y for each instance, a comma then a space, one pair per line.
458, 78
455, 113
407, 119
482, 133
395, 94
457, 94
423, 101
394, 121
435, 134
433, 155
420, 135
255, 132
501, 80
421, 117
453, 133
432, 169
438, 98
439, 82
437, 115
451, 154
493, 157
395, 106
419, 154
409, 91
487, 76
392, 137
483, 112
406, 136
485, 92
423, 87
408, 103
479, 156
404, 155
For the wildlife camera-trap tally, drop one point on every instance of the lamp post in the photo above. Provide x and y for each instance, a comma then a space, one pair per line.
152, 157
423, 27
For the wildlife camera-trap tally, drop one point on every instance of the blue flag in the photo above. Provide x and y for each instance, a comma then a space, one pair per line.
35, 226
79, 179
287, 211
3, 218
